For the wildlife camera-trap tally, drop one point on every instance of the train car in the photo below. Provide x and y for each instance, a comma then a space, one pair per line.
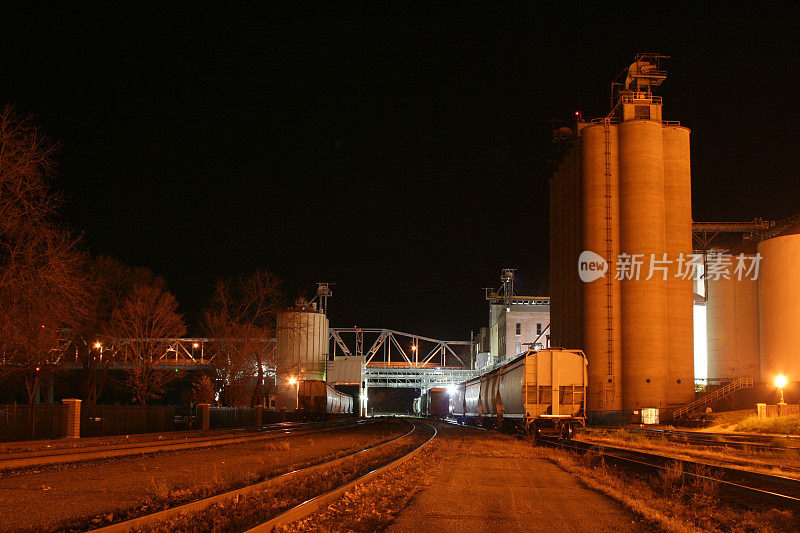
318, 399
437, 403
538, 392
434, 403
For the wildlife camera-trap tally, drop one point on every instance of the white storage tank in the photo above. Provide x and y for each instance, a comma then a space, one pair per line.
302, 341
732, 328
779, 307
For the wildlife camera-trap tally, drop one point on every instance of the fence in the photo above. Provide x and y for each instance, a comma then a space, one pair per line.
768, 411
229, 417
105, 420
28, 422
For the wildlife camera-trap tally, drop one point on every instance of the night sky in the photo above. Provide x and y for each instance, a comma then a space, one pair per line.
402, 154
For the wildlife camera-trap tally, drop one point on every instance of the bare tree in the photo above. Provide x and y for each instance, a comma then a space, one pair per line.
42, 289
242, 317
142, 323
109, 282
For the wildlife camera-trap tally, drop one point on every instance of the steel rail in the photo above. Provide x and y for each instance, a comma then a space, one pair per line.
318, 502
739, 481
200, 505
91, 453
711, 439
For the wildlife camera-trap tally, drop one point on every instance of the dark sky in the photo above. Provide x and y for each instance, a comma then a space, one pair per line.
402, 154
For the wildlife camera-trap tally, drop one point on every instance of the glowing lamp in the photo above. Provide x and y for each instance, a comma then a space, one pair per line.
98, 345
293, 381
780, 381
195, 345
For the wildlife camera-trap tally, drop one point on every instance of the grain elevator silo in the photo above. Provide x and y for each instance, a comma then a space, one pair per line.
622, 190
301, 349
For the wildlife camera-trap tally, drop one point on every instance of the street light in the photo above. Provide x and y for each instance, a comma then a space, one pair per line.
780, 382
294, 381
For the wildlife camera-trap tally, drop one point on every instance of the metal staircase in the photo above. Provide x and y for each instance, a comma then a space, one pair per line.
712, 397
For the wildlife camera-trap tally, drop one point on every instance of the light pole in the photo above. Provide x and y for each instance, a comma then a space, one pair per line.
294, 381
780, 382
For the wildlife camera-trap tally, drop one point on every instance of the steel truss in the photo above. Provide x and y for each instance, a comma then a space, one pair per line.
183, 352
416, 378
408, 348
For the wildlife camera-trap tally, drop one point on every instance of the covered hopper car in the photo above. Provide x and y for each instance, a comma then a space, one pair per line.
317, 399
434, 403
538, 392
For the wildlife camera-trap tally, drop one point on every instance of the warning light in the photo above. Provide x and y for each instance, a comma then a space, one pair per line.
577, 113
38, 368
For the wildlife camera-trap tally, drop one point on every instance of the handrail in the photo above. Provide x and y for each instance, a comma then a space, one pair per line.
735, 385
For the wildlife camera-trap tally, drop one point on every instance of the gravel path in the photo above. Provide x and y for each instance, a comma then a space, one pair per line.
491, 482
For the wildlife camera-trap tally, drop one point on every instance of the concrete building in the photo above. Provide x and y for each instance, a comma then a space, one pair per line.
516, 324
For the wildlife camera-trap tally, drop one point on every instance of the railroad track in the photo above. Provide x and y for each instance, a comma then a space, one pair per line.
21, 460
296, 512
719, 440
740, 485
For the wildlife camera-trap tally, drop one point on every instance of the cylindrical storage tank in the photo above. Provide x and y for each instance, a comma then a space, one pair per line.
732, 328
642, 235
678, 241
601, 297
302, 343
779, 307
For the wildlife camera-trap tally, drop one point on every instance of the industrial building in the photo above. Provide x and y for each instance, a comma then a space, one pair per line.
516, 324
622, 185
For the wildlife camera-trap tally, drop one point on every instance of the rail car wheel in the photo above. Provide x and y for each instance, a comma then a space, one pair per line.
534, 434
568, 431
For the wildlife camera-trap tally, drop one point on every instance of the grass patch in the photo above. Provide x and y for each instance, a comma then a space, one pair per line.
784, 425
672, 501
785, 461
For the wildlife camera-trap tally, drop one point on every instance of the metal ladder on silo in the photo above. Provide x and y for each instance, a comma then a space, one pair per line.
609, 250
712, 397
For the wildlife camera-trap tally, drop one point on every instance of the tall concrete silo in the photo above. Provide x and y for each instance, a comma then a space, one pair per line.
779, 307
642, 231
632, 174
601, 297
678, 241
732, 328
565, 247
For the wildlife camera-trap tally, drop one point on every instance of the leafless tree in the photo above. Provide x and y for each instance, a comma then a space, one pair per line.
42, 289
142, 323
109, 282
242, 317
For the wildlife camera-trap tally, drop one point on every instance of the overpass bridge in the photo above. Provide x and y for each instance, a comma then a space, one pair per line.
404, 360
391, 358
